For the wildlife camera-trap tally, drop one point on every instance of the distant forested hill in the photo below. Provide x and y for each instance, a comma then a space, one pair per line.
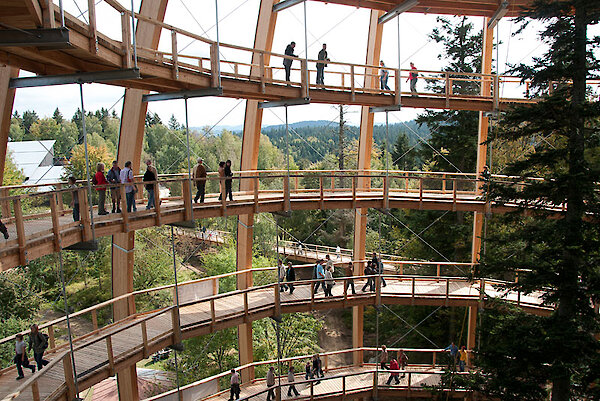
311, 140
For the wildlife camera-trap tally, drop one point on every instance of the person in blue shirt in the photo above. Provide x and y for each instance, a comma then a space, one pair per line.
319, 275
453, 350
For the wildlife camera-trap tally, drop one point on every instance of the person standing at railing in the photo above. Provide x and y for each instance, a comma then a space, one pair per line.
394, 372
291, 277
350, 273
200, 178
402, 360
114, 177
412, 77
126, 177
453, 352
75, 199
378, 266
21, 357
317, 366
234, 391
271, 383
100, 182
227, 173
287, 62
149, 176
462, 359
3, 230
291, 380
321, 66
384, 74
38, 343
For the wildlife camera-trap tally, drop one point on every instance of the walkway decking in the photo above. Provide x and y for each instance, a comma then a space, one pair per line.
100, 353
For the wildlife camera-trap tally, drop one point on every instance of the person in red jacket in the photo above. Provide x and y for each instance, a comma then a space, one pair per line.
100, 183
394, 374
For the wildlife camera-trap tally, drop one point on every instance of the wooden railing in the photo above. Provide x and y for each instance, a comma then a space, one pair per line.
266, 67
371, 377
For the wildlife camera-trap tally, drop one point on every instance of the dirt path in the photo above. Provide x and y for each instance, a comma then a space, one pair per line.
334, 336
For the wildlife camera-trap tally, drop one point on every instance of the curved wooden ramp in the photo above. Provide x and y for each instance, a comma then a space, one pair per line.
46, 232
104, 351
341, 381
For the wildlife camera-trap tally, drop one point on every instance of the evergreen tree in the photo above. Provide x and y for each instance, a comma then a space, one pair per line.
556, 255
57, 116
173, 123
454, 130
29, 117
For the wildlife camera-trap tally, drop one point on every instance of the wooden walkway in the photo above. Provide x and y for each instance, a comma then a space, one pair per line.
239, 71
33, 236
108, 349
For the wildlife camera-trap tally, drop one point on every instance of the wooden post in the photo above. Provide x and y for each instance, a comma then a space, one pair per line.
256, 187
51, 340
111, 357
321, 199
35, 391
214, 64
124, 212
55, 222
174, 56
92, 34
448, 88
352, 93
5, 203
398, 94
213, 316
386, 192
305, 85
187, 200
84, 214
158, 217
126, 40
68, 373
21, 236
94, 319
145, 338
277, 298
421, 193
175, 325
49, 20
261, 58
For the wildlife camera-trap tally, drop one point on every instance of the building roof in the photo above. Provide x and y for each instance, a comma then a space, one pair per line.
36, 160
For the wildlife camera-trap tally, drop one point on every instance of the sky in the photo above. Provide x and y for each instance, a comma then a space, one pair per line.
343, 28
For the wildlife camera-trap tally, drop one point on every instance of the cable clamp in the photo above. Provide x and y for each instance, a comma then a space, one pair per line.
123, 249
249, 227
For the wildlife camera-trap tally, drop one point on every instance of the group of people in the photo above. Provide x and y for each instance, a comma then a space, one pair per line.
116, 175
323, 59
384, 75
395, 364
38, 343
324, 273
458, 357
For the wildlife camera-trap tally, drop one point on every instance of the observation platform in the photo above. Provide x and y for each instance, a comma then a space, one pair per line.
46, 231
205, 307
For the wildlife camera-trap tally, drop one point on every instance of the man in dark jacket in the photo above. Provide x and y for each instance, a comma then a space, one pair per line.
287, 62
290, 276
378, 267
321, 66
39, 343
113, 177
228, 181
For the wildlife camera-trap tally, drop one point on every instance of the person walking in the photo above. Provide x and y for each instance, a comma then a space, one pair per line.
350, 273
114, 177
234, 391
321, 66
281, 275
287, 62
319, 274
394, 372
75, 198
38, 343
384, 357
3, 230
21, 357
291, 379
271, 383
338, 251
228, 180
384, 74
290, 275
329, 263
377, 264
317, 366
402, 360
308, 371
100, 182
462, 359
126, 177
369, 272
412, 77
200, 179
329, 282
149, 176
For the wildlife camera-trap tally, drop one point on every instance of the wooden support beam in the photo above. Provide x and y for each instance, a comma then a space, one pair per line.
263, 40
365, 148
35, 10
48, 18
7, 97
